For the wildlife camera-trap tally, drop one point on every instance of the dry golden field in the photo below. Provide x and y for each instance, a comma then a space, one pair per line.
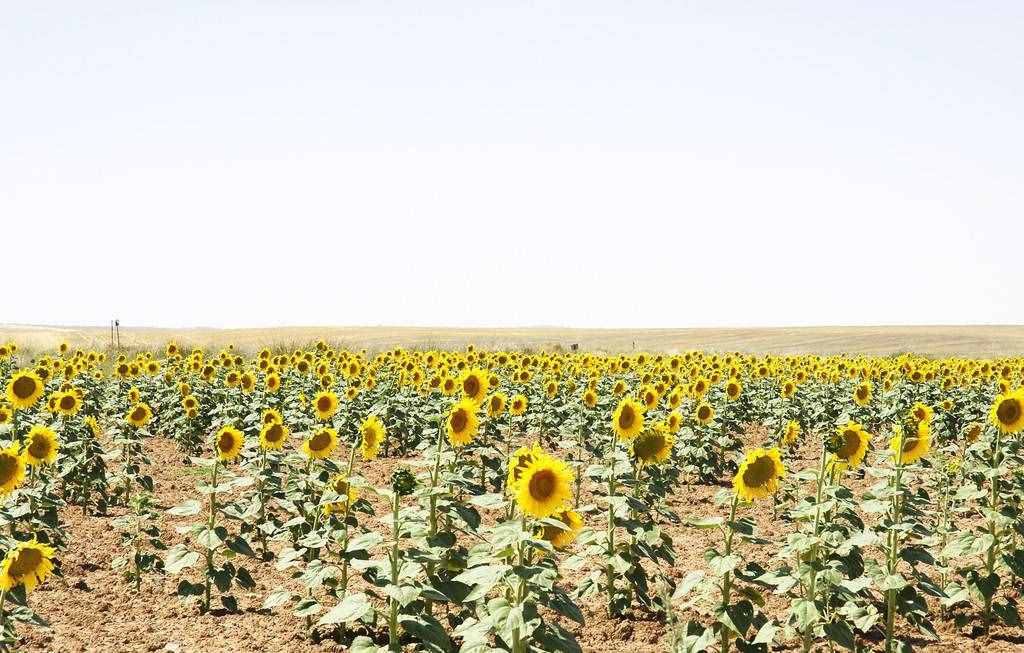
974, 341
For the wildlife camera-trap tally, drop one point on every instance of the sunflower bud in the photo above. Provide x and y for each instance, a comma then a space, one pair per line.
403, 482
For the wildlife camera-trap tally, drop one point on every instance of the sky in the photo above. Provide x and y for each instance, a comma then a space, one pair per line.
588, 164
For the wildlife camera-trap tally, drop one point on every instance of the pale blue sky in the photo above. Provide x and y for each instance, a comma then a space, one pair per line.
596, 163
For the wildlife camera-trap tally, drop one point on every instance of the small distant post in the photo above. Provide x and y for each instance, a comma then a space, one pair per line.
117, 330
575, 346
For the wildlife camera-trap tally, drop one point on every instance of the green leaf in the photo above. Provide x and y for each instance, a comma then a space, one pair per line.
804, 613
277, 598
188, 509
351, 608
180, 558
841, 633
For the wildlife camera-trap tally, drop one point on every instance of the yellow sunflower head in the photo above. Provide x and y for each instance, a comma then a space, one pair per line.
228, 442
325, 403
545, 486
518, 461
372, 434
321, 443
674, 421
28, 564
40, 446
462, 423
921, 413
345, 493
628, 419
589, 398
273, 382
12, 470
94, 426
139, 415
271, 416
791, 433
849, 446
758, 475
1007, 413
6, 414
496, 405
68, 403
911, 447
24, 389
653, 446
474, 384
862, 393
704, 413
273, 435
518, 405
733, 389
562, 537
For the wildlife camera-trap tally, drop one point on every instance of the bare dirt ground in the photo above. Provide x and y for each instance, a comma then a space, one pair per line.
92, 607
974, 341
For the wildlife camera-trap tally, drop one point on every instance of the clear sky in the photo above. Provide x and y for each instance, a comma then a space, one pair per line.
647, 164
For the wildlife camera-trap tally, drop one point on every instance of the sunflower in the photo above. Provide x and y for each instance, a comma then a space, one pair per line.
139, 415
545, 486
1007, 412
273, 435
758, 475
551, 389
704, 413
321, 443
373, 433
134, 396
68, 403
12, 470
649, 397
733, 389
862, 393
628, 419
271, 416
973, 433
326, 404
791, 434
24, 389
189, 402
462, 423
788, 389
340, 486
40, 446
518, 462
561, 538
248, 382
851, 444
6, 414
911, 448
921, 413
273, 382
653, 446
229, 442
28, 564
474, 385
94, 426
518, 405
619, 387
496, 405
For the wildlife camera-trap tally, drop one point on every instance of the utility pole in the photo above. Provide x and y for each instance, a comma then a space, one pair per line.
117, 330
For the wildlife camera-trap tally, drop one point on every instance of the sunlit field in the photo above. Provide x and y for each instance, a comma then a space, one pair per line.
347, 494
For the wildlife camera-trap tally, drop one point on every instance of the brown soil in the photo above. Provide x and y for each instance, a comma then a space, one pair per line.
92, 607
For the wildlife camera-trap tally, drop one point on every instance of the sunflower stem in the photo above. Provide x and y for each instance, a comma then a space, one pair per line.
609, 569
812, 591
727, 576
893, 553
993, 529
210, 526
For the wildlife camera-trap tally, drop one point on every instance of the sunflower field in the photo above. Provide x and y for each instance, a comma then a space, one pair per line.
519, 501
